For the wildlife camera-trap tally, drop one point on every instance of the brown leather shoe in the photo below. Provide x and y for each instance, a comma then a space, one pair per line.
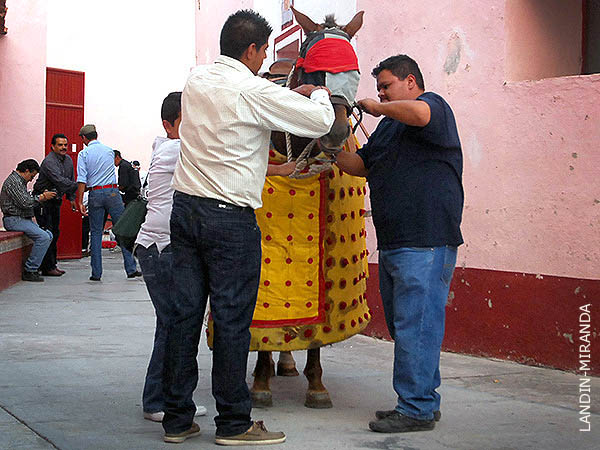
257, 434
193, 431
53, 273
61, 271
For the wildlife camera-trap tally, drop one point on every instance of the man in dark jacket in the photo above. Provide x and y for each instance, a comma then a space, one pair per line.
56, 175
129, 179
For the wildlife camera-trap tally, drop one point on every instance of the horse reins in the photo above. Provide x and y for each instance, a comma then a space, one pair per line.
302, 159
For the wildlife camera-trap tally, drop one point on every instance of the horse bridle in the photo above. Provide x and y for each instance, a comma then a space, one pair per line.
317, 165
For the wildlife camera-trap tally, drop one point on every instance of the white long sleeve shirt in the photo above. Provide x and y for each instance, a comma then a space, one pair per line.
226, 119
155, 229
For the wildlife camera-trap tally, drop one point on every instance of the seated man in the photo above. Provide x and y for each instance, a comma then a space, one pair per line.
17, 207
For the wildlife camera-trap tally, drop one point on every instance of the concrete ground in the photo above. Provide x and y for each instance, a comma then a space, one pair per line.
74, 353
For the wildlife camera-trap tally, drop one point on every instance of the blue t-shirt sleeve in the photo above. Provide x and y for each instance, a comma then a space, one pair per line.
363, 152
441, 129
81, 168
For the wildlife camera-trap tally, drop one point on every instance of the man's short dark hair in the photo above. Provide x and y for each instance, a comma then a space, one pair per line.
29, 164
57, 136
117, 153
401, 66
92, 136
171, 107
242, 29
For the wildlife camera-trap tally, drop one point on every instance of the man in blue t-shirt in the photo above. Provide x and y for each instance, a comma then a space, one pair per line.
413, 163
96, 174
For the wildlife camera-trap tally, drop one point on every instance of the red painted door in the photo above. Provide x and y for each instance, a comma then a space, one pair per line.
64, 114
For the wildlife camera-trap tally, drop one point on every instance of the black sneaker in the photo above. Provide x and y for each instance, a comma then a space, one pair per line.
437, 415
31, 276
399, 423
94, 278
137, 273
180, 437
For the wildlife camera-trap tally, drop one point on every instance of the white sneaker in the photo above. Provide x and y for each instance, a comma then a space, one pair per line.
158, 416
154, 417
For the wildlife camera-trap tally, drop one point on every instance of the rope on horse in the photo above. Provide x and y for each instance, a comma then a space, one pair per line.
316, 166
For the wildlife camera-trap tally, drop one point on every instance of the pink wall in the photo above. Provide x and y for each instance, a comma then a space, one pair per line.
530, 147
22, 84
531, 187
543, 39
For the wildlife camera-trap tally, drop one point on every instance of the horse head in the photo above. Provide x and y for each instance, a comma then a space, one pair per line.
326, 59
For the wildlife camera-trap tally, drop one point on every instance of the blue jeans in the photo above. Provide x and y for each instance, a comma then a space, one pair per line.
158, 275
99, 202
41, 239
216, 253
414, 284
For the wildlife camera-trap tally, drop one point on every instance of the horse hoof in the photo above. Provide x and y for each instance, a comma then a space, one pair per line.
318, 400
286, 371
262, 399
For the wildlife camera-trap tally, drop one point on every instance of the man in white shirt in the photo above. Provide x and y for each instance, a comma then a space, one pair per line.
227, 117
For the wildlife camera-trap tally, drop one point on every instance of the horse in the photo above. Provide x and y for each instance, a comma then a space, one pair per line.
316, 65
342, 83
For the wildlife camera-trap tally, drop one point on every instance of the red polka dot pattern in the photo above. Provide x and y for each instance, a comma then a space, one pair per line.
325, 225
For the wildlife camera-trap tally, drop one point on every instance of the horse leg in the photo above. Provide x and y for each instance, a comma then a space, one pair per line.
286, 366
261, 390
316, 395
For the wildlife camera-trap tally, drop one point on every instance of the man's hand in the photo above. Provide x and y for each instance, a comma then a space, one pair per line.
307, 89
73, 205
282, 170
80, 191
370, 106
47, 195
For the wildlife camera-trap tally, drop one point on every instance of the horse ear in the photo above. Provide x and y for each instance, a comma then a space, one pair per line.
354, 25
305, 22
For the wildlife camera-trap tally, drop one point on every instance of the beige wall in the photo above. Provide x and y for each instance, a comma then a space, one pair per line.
133, 54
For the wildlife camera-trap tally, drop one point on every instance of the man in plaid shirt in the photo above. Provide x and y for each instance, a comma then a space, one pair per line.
17, 205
